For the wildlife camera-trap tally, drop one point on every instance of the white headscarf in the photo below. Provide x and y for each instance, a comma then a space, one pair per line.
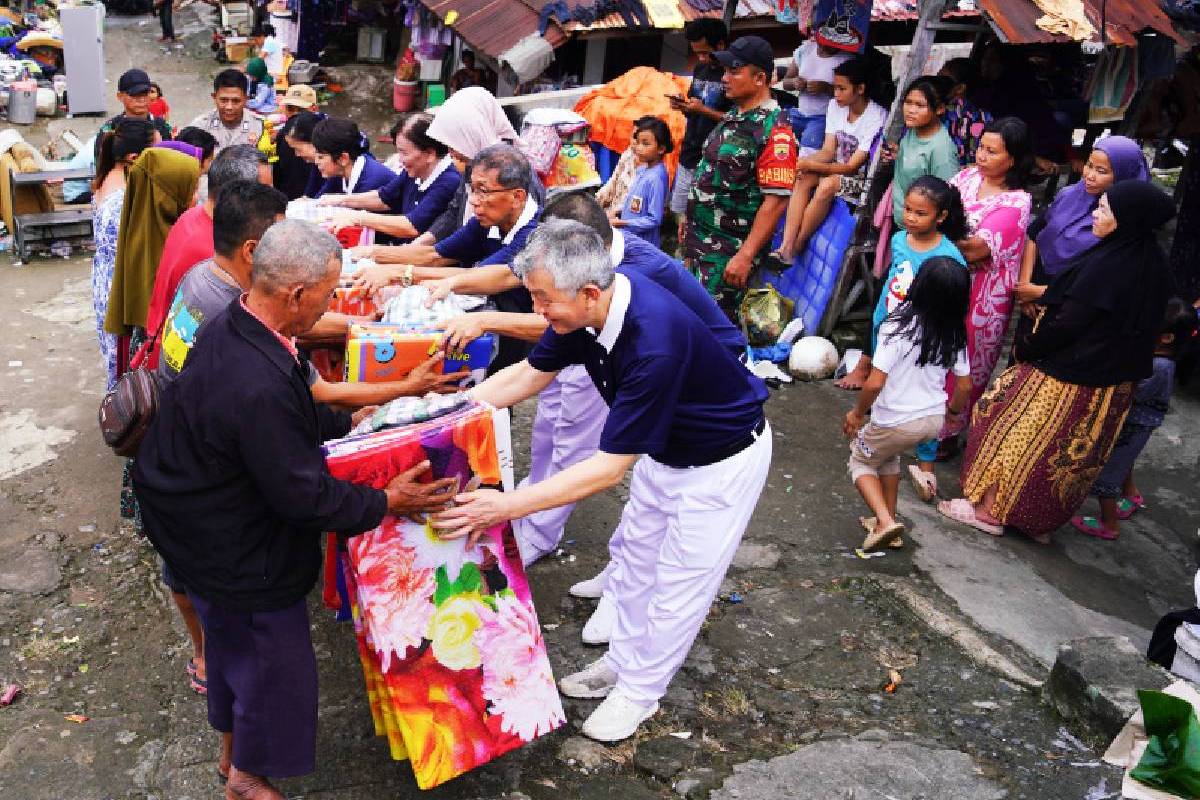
470, 120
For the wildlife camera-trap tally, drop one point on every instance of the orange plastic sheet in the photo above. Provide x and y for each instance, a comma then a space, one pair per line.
642, 91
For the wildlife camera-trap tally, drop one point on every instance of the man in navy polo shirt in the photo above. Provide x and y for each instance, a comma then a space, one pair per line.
570, 412
677, 396
504, 214
504, 217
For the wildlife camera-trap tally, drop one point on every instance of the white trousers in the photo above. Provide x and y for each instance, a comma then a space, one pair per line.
677, 536
566, 430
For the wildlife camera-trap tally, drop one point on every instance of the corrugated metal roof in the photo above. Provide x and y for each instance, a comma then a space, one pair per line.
1016, 20
759, 10
492, 27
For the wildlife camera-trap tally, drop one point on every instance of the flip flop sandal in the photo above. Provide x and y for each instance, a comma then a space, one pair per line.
961, 510
925, 483
1090, 526
869, 523
1128, 506
199, 685
884, 537
191, 666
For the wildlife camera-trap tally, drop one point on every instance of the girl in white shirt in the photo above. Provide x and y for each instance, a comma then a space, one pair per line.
810, 75
853, 121
920, 341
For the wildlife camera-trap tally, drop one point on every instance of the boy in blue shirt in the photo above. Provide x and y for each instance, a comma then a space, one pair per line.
642, 213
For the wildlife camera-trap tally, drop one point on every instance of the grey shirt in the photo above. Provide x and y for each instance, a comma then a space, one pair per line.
204, 292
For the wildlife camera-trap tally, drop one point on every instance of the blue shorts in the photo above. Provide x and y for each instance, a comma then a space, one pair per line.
809, 130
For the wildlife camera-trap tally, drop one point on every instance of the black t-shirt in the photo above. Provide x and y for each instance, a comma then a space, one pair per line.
706, 85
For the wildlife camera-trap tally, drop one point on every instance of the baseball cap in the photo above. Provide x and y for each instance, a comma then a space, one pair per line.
752, 50
300, 95
133, 81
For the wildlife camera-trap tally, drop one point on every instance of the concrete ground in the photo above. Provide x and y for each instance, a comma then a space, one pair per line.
782, 696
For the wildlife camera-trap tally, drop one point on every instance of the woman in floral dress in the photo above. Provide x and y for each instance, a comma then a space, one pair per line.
118, 150
998, 211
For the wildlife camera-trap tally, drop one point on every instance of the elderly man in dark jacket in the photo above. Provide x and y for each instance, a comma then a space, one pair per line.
235, 493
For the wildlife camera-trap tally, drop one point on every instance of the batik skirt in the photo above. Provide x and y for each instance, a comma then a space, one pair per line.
1042, 443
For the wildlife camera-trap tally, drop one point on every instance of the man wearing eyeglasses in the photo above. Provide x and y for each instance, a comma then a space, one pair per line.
504, 214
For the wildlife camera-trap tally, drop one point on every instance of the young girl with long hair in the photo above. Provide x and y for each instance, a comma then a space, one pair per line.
926, 147
920, 342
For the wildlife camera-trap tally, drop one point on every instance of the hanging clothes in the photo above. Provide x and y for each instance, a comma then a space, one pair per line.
1113, 85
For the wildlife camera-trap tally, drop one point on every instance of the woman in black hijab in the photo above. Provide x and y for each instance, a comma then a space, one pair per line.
1042, 433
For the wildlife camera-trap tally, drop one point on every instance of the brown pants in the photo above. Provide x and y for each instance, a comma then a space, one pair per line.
876, 450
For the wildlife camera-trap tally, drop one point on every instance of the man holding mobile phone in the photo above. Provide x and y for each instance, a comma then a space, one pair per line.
704, 106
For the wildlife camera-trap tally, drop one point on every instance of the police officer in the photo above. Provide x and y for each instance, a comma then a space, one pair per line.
230, 122
743, 181
683, 412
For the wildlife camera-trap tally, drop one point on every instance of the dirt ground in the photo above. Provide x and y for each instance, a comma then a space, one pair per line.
782, 696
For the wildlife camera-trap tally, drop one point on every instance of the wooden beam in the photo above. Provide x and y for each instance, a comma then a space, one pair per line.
922, 43
730, 13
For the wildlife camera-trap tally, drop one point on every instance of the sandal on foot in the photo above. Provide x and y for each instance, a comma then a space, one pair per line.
869, 523
925, 483
198, 685
1128, 506
878, 538
1090, 526
961, 510
191, 666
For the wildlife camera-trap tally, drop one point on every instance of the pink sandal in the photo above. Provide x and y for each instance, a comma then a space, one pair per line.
924, 483
1128, 506
961, 510
1090, 526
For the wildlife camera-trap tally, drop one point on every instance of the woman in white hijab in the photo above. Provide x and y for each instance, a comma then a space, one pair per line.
470, 120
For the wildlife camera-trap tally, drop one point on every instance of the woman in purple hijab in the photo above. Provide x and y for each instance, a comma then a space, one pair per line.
183, 147
1065, 229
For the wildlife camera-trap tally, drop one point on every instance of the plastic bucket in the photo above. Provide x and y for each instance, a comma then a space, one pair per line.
404, 94
22, 106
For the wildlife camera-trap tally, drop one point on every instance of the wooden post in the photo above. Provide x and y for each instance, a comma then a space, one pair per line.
730, 13
922, 43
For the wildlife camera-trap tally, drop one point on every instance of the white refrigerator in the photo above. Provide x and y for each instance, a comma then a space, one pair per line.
83, 56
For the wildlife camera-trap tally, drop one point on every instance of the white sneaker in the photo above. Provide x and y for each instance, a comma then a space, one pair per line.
595, 680
616, 718
593, 587
599, 627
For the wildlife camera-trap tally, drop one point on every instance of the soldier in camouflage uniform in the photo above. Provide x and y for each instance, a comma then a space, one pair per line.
743, 180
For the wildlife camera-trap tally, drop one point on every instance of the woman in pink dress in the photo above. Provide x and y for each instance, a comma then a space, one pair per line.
998, 211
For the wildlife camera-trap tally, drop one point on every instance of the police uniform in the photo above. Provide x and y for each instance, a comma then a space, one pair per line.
248, 131
571, 413
748, 155
679, 397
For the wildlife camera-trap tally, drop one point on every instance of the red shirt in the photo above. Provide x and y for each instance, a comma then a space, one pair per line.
159, 108
189, 242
